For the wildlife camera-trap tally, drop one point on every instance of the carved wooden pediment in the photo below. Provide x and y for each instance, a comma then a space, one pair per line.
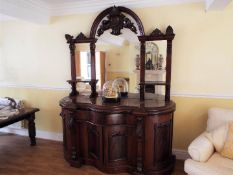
81, 36
116, 21
156, 32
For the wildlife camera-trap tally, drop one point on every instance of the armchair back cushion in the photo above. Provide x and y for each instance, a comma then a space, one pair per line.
218, 117
218, 136
228, 147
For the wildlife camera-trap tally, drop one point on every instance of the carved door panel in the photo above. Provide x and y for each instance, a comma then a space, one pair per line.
94, 141
67, 134
119, 144
89, 142
71, 136
158, 142
162, 143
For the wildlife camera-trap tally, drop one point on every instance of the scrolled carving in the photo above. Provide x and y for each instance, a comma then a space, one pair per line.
129, 25
156, 32
71, 122
116, 21
62, 114
69, 38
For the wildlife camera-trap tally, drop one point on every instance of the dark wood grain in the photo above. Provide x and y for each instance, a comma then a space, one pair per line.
116, 21
133, 135
130, 136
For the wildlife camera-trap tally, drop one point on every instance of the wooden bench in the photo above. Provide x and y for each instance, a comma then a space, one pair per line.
29, 115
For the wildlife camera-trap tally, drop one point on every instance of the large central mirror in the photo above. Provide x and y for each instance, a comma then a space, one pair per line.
116, 57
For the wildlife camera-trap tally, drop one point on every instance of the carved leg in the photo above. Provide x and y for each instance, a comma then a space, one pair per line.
32, 129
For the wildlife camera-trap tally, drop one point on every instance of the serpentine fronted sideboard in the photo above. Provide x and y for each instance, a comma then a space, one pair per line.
132, 136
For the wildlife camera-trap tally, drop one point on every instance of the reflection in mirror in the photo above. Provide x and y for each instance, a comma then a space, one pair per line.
155, 55
83, 67
85, 64
120, 56
155, 60
115, 58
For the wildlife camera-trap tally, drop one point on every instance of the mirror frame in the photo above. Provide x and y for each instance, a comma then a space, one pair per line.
114, 18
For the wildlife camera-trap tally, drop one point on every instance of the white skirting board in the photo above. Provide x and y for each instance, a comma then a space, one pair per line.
39, 134
180, 154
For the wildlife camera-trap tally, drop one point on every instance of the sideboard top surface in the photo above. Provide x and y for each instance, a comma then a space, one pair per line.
128, 104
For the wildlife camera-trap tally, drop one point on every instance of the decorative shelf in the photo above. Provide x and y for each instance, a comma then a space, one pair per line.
154, 83
81, 80
152, 72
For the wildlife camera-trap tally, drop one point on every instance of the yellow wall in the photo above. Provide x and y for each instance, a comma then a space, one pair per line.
38, 56
47, 119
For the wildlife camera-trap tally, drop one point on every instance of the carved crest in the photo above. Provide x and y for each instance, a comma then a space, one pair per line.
116, 21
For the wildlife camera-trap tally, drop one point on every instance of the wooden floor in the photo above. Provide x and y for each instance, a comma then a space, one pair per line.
17, 157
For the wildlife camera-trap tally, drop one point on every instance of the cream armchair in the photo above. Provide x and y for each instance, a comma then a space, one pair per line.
204, 160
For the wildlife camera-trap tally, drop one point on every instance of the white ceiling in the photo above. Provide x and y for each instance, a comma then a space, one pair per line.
40, 11
60, 1
6, 18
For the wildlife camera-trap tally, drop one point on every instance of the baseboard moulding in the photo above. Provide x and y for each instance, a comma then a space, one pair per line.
180, 154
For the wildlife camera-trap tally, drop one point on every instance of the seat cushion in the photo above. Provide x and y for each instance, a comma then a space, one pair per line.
216, 165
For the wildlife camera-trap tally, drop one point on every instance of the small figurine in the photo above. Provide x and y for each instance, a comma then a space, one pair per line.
149, 65
122, 86
160, 62
110, 93
137, 62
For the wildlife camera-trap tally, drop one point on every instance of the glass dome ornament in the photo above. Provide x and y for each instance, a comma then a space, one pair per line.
111, 93
122, 85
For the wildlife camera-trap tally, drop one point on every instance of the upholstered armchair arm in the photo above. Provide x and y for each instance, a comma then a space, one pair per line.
201, 148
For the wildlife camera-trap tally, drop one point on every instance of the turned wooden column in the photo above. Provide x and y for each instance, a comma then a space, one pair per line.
168, 69
72, 82
93, 71
142, 71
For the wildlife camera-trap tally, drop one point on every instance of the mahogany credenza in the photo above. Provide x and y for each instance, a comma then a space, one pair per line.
131, 136
134, 135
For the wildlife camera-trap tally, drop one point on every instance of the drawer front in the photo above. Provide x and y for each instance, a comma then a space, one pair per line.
99, 118
120, 119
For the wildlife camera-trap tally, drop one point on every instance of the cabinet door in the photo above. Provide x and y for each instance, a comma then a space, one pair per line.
158, 142
119, 142
94, 134
71, 148
90, 143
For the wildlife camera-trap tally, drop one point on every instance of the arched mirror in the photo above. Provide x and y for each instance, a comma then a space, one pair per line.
115, 57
